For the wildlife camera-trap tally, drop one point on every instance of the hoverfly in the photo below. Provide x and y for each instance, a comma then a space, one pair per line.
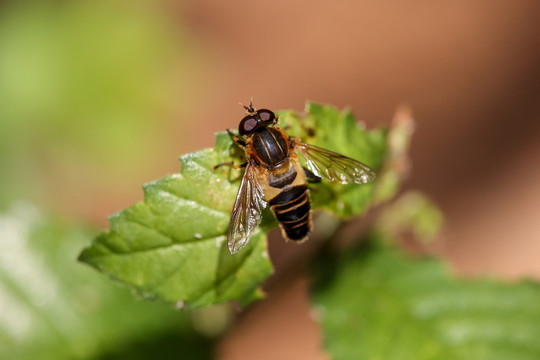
274, 176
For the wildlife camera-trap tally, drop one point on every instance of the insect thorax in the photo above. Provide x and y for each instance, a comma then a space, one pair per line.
271, 146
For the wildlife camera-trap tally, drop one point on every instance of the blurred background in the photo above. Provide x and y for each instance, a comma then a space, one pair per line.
98, 97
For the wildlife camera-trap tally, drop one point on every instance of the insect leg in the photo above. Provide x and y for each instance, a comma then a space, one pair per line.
236, 139
231, 164
311, 177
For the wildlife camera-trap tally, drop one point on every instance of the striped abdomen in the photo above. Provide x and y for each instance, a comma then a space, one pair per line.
292, 210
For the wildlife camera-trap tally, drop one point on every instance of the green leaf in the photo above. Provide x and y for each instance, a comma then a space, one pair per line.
376, 303
52, 308
412, 212
173, 245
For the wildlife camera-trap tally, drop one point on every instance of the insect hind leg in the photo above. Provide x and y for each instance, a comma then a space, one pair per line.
229, 163
311, 177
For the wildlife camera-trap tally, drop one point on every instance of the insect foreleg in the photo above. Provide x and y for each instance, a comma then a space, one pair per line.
236, 139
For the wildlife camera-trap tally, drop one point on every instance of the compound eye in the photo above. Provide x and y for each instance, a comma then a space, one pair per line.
266, 115
247, 125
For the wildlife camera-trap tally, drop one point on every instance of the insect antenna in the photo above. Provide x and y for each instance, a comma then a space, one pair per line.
249, 109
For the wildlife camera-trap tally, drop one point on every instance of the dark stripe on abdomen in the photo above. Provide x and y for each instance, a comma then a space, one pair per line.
292, 209
282, 180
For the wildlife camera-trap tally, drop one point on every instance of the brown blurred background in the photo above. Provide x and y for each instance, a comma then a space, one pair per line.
469, 70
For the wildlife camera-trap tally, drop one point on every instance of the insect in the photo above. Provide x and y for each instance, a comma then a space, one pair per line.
274, 176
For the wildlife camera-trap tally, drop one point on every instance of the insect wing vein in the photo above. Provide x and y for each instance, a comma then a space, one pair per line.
334, 166
247, 211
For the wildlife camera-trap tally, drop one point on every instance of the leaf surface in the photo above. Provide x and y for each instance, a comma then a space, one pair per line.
377, 303
52, 308
173, 245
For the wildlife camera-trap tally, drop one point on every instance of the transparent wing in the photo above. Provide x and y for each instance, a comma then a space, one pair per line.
334, 166
247, 211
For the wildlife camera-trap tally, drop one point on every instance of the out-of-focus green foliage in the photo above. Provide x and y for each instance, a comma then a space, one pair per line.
413, 212
374, 302
53, 308
83, 88
173, 245
397, 163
